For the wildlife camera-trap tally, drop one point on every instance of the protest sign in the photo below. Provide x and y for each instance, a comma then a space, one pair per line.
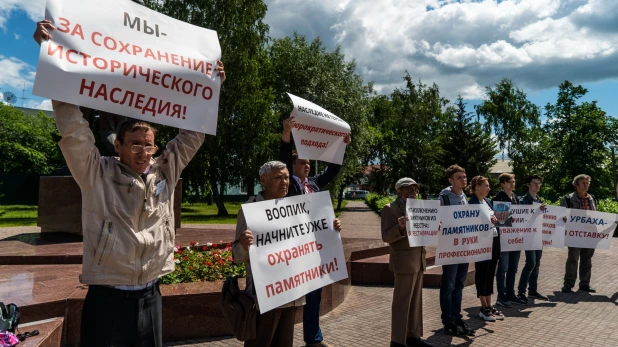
296, 249
423, 222
589, 229
466, 235
525, 232
553, 226
318, 134
123, 58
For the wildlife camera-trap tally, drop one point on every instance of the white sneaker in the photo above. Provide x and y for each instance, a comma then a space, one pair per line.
486, 314
497, 314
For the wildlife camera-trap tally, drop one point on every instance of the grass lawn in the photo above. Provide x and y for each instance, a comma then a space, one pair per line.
199, 213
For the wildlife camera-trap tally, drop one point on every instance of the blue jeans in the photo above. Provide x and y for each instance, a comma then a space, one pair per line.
311, 317
451, 286
530, 273
507, 268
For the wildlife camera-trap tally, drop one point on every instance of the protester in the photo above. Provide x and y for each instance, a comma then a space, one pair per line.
454, 276
408, 264
127, 210
275, 327
530, 273
486, 269
302, 184
507, 265
580, 200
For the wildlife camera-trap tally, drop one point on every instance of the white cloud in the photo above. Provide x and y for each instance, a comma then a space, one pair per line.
35, 9
462, 46
40, 105
16, 36
16, 74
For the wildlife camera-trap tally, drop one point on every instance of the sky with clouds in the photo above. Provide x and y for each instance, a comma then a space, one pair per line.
462, 46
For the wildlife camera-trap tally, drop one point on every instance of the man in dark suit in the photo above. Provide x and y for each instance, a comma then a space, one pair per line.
408, 264
301, 183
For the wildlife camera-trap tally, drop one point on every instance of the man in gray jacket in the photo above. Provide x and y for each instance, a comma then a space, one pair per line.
127, 222
581, 200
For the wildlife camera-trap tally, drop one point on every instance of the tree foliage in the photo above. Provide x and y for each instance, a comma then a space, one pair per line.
28, 143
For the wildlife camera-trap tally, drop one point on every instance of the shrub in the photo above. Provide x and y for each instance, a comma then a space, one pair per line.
196, 263
377, 202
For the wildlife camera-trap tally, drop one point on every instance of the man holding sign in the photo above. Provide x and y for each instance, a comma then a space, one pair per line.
127, 221
408, 264
300, 184
275, 326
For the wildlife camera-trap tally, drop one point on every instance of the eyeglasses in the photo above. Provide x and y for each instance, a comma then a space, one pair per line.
139, 149
412, 188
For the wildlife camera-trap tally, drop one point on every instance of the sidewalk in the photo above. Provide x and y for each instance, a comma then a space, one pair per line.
577, 319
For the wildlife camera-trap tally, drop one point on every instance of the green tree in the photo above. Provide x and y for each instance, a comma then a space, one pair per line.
467, 144
245, 116
579, 137
308, 70
28, 143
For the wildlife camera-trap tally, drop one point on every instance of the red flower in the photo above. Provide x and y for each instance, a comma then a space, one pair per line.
214, 245
215, 252
185, 258
229, 259
229, 244
205, 248
221, 262
209, 263
193, 243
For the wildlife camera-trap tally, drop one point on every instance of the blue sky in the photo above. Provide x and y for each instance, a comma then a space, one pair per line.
460, 45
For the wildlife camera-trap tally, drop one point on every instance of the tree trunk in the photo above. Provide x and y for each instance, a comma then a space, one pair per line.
250, 187
340, 196
218, 199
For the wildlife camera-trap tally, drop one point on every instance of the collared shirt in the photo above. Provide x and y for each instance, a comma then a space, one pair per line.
304, 185
585, 202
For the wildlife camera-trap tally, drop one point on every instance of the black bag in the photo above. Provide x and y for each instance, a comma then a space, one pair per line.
9, 317
239, 309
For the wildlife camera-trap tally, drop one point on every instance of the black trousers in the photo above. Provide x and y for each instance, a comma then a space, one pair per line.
120, 318
486, 271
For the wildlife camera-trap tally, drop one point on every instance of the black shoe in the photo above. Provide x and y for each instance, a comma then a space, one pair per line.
416, 342
523, 298
567, 289
538, 296
588, 289
453, 329
464, 328
395, 344
516, 300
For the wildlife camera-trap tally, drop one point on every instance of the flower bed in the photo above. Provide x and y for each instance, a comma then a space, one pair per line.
195, 263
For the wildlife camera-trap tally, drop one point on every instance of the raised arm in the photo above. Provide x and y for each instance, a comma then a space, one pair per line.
286, 147
77, 144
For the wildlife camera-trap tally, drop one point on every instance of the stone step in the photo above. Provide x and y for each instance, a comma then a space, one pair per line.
50, 333
375, 271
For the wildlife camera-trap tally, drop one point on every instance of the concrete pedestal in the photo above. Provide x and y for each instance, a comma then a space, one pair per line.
60, 205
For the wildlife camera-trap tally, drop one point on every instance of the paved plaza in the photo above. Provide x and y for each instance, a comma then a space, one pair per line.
577, 319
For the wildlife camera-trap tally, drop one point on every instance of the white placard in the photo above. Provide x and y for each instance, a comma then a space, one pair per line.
589, 229
423, 222
121, 57
318, 134
553, 226
296, 249
466, 235
525, 232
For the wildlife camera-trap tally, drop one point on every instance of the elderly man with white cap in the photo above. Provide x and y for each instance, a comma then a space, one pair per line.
408, 264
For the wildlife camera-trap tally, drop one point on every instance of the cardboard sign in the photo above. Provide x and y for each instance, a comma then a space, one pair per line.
318, 134
466, 235
589, 229
553, 226
525, 232
123, 58
296, 249
423, 222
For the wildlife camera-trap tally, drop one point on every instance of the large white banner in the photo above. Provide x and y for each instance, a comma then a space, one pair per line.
589, 229
525, 230
318, 134
553, 226
296, 249
423, 222
121, 57
466, 235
